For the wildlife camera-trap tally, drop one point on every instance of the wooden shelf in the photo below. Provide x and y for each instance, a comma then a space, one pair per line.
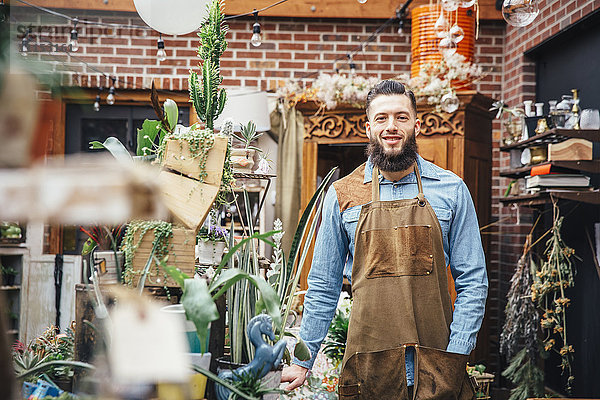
592, 166
555, 136
13, 287
540, 198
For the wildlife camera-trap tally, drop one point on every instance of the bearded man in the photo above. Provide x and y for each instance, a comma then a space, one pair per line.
391, 227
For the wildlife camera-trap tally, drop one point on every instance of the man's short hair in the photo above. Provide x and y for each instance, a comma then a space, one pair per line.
387, 88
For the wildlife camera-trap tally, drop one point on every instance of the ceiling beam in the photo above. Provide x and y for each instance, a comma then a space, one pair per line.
372, 9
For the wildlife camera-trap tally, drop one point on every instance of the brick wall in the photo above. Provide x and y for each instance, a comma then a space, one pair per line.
292, 48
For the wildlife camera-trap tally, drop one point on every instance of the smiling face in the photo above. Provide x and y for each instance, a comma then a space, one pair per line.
392, 126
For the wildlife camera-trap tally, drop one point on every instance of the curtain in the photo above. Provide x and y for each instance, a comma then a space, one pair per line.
288, 126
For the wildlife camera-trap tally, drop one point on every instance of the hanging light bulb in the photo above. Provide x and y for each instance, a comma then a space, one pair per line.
97, 103
449, 102
110, 99
441, 26
520, 13
25, 45
362, 1
161, 54
256, 39
456, 33
73, 42
467, 3
447, 46
400, 16
450, 5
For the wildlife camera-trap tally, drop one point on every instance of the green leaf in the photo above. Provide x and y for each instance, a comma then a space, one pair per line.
234, 249
115, 147
301, 351
146, 136
229, 277
199, 307
172, 113
175, 273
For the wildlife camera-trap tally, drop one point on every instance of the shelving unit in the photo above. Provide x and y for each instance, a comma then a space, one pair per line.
555, 136
545, 196
17, 257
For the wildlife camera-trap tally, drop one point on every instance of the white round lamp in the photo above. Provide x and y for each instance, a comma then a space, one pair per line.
172, 17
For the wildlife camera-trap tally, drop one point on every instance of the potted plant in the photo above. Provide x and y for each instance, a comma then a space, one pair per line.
243, 158
10, 232
8, 275
103, 242
211, 244
513, 121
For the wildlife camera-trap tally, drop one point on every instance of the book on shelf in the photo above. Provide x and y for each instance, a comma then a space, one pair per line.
546, 169
558, 180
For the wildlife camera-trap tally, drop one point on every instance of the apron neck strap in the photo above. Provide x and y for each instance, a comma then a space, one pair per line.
375, 184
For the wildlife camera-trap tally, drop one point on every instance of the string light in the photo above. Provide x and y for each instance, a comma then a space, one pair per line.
97, 102
351, 64
256, 39
161, 54
73, 43
25, 44
110, 99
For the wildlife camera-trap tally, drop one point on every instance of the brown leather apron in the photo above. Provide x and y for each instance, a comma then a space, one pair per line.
400, 299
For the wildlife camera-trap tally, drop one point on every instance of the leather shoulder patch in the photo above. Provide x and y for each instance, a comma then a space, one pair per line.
351, 190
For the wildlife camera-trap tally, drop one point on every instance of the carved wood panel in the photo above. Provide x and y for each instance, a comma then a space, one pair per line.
350, 126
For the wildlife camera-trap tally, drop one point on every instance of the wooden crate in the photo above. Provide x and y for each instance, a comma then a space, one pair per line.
181, 255
179, 158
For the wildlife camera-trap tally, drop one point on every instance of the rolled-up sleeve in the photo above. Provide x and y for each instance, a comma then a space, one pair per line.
325, 278
467, 264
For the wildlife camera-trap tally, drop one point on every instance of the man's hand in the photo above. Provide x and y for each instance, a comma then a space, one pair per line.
295, 374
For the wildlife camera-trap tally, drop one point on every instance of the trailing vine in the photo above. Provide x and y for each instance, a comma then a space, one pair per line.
163, 232
548, 291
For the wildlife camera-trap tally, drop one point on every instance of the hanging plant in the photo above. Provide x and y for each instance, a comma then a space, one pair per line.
163, 232
548, 291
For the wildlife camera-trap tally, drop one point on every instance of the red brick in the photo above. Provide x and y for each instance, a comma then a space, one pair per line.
292, 27
335, 38
349, 28
129, 51
306, 56
99, 50
233, 64
111, 40
307, 36
245, 44
320, 28
280, 55
250, 83
320, 47
288, 64
292, 46
143, 60
262, 65
160, 71
129, 70
113, 60
232, 82
277, 36
249, 54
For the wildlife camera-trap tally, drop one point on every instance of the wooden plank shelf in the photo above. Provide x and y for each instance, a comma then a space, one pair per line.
555, 136
13, 287
540, 198
592, 166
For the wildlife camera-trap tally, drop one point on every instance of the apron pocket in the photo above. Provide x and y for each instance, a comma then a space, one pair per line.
441, 375
403, 250
372, 375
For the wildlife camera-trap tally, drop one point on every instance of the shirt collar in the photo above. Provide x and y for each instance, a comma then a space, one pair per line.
425, 167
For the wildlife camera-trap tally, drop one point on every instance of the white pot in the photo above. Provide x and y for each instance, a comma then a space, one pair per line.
187, 327
107, 268
209, 252
242, 160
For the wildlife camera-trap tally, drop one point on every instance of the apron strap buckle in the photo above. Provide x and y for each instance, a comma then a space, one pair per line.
421, 199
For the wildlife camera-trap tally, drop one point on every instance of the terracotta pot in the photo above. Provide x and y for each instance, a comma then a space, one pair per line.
242, 160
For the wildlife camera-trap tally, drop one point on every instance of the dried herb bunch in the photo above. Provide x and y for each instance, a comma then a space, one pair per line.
518, 340
548, 291
521, 324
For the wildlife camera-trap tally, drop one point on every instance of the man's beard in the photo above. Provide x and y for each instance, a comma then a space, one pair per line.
393, 162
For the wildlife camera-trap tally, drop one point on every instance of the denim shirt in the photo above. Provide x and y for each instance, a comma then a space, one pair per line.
334, 253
